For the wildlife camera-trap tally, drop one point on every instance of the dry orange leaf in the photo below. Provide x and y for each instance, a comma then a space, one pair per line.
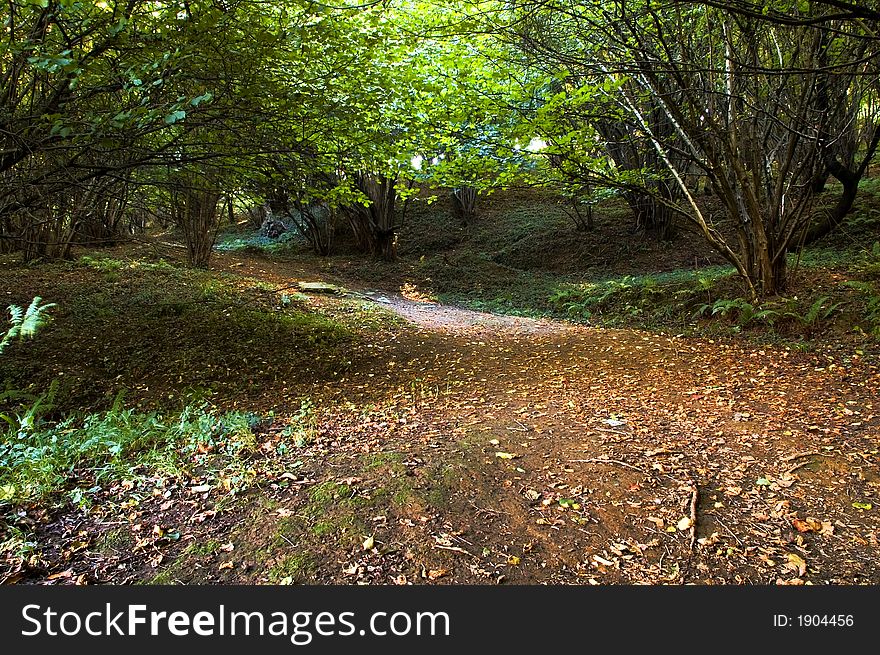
796, 563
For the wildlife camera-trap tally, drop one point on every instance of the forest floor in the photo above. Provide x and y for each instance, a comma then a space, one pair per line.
457, 447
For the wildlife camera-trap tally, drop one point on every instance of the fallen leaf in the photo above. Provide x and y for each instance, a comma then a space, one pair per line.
502, 455
369, 543
865, 506
200, 489
808, 525
226, 565
684, 523
660, 523
227, 548
796, 563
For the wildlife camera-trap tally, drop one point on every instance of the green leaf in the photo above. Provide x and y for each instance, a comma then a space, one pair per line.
205, 97
118, 27
175, 116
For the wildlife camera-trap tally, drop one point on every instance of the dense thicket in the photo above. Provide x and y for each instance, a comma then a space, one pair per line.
114, 114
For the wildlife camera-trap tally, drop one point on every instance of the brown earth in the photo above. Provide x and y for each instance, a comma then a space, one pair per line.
472, 448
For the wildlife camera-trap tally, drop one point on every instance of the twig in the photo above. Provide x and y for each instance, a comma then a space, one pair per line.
483, 509
795, 468
723, 525
695, 493
609, 461
799, 455
455, 549
287, 288
463, 540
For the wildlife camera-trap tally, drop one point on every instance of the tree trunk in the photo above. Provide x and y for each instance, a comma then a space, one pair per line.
464, 200
650, 214
837, 214
198, 217
769, 276
850, 180
375, 225
386, 245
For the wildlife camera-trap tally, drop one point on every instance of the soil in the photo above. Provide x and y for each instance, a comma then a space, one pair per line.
476, 448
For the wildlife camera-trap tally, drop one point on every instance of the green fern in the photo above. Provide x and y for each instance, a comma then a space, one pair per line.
744, 311
872, 299
25, 322
816, 313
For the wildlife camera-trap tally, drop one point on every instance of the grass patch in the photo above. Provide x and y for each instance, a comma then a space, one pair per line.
114, 541
169, 575
80, 455
164, 334
290, 568
250, 241
326, 494
331, 512
390, 461
204, 549
645, 300
446, 479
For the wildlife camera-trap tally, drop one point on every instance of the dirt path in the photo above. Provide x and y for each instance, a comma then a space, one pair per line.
564, 454
461, 447
445, 318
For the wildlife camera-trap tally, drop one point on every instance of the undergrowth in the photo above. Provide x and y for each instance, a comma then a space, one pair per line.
40, 459
161, 331
82, 453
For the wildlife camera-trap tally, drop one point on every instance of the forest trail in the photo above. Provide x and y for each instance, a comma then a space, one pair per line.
566, 453
423, 313
440, 445
447, 318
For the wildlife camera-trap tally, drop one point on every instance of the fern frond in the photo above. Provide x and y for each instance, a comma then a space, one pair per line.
34, 318
25, 323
